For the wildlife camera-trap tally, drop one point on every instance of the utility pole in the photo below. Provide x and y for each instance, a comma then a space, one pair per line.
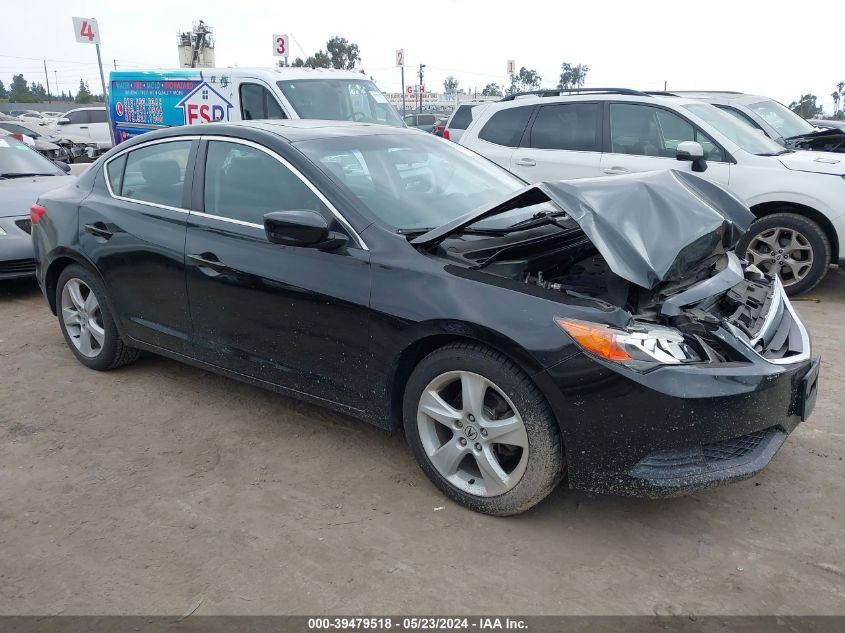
47, 78
115, 64
56, 76
420, 87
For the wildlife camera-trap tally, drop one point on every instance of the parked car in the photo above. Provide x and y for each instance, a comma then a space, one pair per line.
143, 100
458, 121
89, 122
773, 119
45, 148
26, 114
827, 124
424, 122
24, 175
68, 147
797, 196
409, 282
440, 125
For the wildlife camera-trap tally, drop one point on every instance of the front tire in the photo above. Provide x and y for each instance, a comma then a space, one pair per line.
87, 323
481, 430
794, 247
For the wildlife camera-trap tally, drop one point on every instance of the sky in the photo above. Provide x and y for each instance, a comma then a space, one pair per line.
751, 46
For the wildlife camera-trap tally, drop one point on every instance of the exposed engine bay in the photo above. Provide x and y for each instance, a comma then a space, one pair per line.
682, 281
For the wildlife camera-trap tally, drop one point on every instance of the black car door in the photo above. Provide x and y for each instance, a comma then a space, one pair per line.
132, 227
296, 317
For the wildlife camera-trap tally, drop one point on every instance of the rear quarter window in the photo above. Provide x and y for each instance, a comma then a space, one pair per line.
462, 118
506, 126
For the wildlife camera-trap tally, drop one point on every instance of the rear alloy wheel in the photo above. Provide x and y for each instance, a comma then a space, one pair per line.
86, 321
481, 430
791, 246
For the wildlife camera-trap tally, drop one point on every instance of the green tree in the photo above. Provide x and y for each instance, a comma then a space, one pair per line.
524, 80
492, 90
343, 54
39, 92
806, 107
450, 85
83, 95
835, 95
19, 91
3, 92
572, 76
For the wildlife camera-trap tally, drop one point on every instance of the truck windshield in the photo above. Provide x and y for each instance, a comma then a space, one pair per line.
340, 100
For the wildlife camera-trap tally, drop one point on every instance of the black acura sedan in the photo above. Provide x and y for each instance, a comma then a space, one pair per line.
598, 331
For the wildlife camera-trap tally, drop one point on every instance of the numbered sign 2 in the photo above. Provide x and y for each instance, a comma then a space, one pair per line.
400, 57
87, 30
280, 45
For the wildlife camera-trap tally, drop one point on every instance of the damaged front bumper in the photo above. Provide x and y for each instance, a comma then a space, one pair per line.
683, 427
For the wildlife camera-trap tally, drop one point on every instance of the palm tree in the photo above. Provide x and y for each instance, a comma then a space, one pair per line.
836, 96
840, 88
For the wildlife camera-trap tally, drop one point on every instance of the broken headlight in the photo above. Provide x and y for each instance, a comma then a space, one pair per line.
640, 347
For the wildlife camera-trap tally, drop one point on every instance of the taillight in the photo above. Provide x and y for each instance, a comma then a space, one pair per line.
446, 134
36, 212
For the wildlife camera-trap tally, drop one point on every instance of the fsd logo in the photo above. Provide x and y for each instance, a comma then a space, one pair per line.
204, 105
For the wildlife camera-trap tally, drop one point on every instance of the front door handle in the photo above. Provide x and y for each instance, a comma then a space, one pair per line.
526, 162
208, 263
617, 171
99, 229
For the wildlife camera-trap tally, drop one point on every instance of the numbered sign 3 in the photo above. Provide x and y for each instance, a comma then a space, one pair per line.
87, 30
280, 45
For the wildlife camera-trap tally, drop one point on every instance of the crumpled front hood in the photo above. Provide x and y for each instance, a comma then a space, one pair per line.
815, 162
650, 227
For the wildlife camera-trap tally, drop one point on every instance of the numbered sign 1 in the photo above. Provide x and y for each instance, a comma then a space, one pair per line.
87, 30
400, 57
280, 45
511, 66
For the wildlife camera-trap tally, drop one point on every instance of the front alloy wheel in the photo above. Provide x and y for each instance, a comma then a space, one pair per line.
783, 251
472, 433
481, 430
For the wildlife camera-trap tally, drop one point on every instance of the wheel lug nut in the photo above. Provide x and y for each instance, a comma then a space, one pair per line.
471, 417
463, 441
477, 446
483, 432
459, 424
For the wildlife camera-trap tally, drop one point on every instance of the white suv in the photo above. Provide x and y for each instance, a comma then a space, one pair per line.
798, 196
92, 123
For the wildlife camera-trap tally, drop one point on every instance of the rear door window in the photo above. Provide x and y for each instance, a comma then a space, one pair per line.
571, 126
156, 173
77, 118
98, 116
506, 127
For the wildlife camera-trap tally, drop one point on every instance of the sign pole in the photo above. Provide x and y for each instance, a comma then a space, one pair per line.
403, 92
102, 77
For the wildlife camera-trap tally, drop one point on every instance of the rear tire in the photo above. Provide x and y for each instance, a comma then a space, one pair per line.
456, 447
790, 244
86, 321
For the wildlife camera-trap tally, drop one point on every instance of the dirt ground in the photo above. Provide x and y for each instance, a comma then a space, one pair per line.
160, 488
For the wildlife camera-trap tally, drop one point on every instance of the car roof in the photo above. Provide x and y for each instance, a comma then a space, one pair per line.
726, 95
87, 108
272, 73
291, 130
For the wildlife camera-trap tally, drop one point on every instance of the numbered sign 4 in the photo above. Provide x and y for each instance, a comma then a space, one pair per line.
280, 45
87, 30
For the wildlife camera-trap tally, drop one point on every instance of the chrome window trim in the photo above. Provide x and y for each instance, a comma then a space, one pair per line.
141, 146
343, 221
228, 139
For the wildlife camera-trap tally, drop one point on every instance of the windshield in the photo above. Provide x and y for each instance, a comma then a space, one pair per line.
340, 100
745, 136
16, 158
415, 181
784, 120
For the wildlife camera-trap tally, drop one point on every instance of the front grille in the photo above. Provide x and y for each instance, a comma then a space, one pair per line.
24, 225
734, 447
17, 267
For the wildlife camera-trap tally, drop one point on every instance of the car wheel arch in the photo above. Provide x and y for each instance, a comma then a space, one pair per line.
411, 355
54, 271
764, 209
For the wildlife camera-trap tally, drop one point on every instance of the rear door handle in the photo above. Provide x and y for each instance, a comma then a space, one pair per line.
83, 127
99, 229
208, 262
617, 171
526, 162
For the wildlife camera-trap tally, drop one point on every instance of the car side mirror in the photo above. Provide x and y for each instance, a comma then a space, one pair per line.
693, 152
62, 121
301, 227
63, 166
